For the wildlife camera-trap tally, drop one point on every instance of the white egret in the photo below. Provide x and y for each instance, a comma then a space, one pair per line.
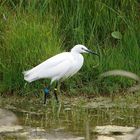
60, 66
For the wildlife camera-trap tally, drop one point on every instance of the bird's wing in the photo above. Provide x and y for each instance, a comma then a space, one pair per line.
49, 62
61, 70
49, 67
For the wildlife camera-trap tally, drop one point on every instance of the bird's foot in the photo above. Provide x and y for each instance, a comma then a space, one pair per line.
46, 91
46, 94
55, 94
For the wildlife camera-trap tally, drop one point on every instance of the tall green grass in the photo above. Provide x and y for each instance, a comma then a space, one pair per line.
32, 31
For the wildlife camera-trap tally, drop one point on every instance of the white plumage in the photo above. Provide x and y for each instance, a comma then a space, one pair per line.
58, 67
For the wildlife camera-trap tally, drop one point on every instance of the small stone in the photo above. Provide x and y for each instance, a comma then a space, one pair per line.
67, 109
5, 129
7, 118
38, 129
113, 129
23, 134
105, 138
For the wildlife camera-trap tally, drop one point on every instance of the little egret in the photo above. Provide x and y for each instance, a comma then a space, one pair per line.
60, 66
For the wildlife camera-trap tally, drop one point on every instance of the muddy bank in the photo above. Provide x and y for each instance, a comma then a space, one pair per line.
74, 118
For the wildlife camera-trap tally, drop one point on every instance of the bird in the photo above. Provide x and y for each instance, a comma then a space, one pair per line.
58, 67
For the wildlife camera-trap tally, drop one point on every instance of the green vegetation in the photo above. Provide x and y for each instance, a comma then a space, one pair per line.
32, 31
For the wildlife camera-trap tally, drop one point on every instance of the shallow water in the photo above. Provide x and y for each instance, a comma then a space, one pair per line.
74, 119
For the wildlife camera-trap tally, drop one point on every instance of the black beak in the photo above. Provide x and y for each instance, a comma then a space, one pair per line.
89, 51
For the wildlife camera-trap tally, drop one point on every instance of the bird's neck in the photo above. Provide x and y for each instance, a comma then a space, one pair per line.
77, 55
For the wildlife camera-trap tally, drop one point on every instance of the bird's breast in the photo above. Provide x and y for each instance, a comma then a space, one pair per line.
78, 60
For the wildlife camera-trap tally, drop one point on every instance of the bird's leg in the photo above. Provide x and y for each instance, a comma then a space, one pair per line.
46, 93
55, 92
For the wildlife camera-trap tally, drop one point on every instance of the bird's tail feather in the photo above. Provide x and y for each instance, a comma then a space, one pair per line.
29, 76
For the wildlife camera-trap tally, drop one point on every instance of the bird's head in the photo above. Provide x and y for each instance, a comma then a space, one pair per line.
82, 49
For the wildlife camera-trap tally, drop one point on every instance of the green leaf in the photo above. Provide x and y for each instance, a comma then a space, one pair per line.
116, 35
